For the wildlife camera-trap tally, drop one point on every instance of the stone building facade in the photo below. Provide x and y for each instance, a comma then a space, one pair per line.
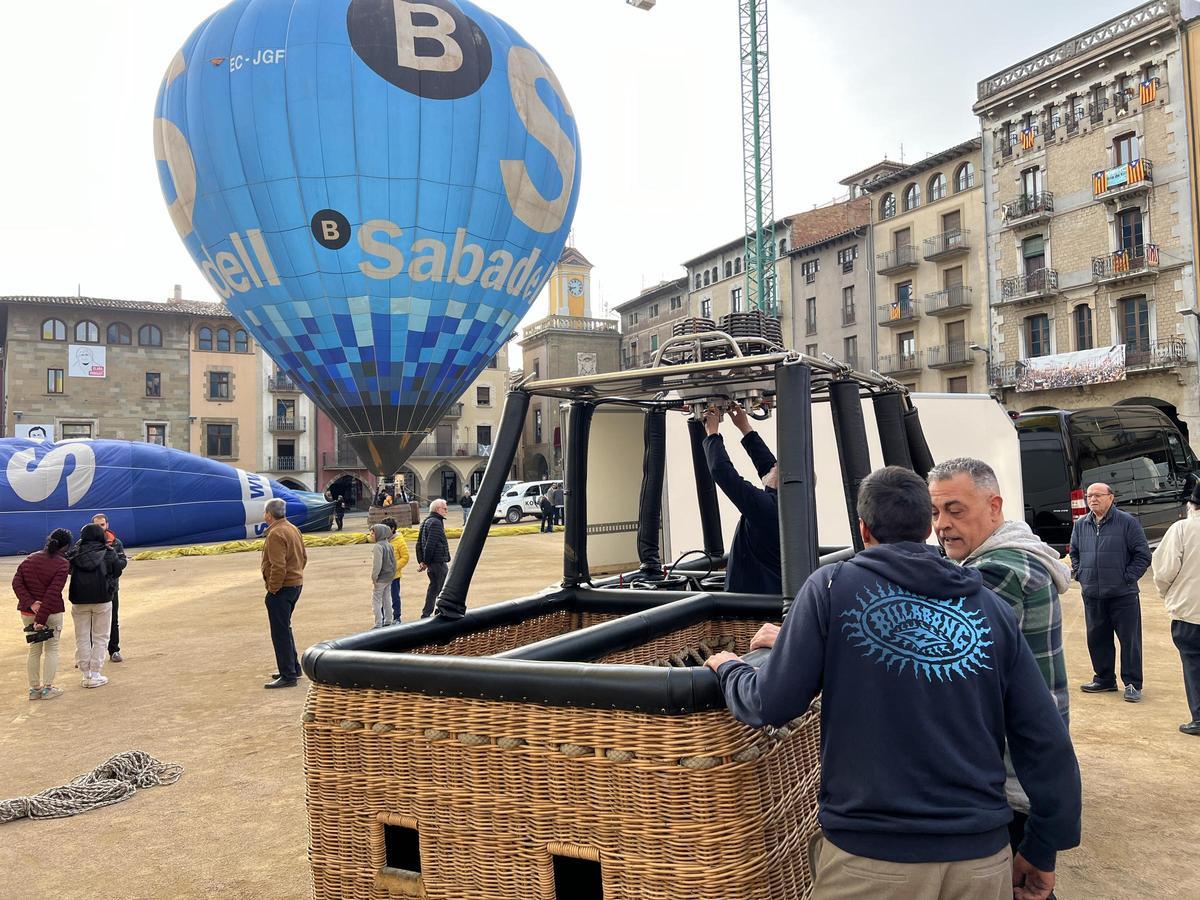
931, 273
646, 320
227, 401
53, 376
1090, 215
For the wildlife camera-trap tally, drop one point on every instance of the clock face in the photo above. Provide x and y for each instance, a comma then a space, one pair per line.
575, 286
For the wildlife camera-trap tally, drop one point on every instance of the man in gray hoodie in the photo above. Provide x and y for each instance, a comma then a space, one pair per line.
968, 518
383, 570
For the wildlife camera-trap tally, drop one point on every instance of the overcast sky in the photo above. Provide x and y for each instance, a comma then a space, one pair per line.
656, 94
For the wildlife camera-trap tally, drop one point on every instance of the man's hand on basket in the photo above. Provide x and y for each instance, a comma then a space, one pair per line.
714, 662
764, 637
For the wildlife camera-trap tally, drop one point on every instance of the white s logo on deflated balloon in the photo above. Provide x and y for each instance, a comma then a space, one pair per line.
34, 480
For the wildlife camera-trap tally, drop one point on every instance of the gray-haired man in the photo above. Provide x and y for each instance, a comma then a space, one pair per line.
283, 562
968, 518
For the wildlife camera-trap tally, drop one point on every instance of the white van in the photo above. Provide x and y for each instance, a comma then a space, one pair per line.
520, 500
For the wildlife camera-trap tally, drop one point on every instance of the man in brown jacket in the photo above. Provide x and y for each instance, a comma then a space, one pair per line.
283, 561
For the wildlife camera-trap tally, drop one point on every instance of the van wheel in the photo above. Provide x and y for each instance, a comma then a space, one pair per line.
513, 516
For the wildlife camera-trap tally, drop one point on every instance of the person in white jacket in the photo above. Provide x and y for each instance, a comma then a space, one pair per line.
1176, 568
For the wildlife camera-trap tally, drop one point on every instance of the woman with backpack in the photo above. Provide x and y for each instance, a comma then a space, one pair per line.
93, 571
38, 585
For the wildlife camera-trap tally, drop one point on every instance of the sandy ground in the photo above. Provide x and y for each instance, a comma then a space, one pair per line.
195, 635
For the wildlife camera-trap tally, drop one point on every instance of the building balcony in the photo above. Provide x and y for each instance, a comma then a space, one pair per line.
296, 424
1125, 180
1028, 209
570, 323
281, 384
447, 449
948, 244
1035, 285
287, 463
346, 459
900, 363
1004, 374
1165, 353
1120, 265
898, 312
948, 301
951, 356
893, 262
454, 412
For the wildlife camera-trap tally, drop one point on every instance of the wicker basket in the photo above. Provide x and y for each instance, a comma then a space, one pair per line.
696, 806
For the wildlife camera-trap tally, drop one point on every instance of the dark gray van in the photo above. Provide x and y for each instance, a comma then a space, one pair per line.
1136, 450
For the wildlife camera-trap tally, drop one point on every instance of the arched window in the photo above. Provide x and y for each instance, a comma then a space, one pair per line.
737, 266
698, 280
119, 333
887, 206
54, 330
782, 246
87, 332
707, 278
204, 338
964, 177
912, 197
150, 336
716, 275
241, 342
728, 269
223, 340
937, 187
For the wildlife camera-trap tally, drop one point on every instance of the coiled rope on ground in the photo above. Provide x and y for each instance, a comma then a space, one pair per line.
111, 782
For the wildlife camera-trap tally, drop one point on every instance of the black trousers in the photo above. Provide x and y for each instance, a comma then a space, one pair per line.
548, 520
1121, 616
1187, 641
114, 636
338, 519
280, 606
437, 577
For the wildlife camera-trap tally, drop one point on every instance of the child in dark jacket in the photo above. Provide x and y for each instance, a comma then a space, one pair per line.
93, 571
38, 585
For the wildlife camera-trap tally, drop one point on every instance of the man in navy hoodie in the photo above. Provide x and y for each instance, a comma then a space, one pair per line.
924, 677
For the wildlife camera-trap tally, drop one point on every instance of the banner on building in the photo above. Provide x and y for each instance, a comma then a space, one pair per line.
86, 361
1063, 370
35, 432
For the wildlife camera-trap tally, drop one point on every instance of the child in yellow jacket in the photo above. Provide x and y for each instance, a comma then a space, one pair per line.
401, 548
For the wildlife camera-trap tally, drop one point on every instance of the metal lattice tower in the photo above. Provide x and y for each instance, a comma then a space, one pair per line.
756, 141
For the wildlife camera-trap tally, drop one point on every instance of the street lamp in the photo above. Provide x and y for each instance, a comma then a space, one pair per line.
985, 351
1195, 314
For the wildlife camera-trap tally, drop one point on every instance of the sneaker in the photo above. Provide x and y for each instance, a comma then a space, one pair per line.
1132, 694
97, 680
49, 692
116, 657
35, 693
86, 680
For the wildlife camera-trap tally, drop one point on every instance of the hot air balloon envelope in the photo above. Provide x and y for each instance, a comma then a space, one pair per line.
378, 189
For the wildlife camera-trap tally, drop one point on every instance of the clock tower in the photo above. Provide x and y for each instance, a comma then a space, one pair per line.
571, 286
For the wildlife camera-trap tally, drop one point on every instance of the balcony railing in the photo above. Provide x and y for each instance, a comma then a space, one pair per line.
287, 423
1038, 283
282, 384
947, 244
571, 323
345, 459
1165, 353
848, 315
898, 312
958, 353
948, 301
1119, 181
897, 260
896, 363
1125, 263
454, 412
1029, 208
287, 463
446, 449
1004, 374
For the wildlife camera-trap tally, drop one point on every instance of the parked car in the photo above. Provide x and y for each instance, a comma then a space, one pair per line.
1136, 450
521, 500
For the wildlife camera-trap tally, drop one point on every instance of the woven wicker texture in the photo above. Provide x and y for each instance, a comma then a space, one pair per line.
509, 637
694, 806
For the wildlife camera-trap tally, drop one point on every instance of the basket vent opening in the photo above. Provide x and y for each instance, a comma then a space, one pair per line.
577, 879
403, 848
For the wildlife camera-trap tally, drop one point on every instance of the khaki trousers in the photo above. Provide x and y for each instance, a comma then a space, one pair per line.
843, 876
42, 663
92, 622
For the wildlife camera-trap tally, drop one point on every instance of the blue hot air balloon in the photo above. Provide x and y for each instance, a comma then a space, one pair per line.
378, 189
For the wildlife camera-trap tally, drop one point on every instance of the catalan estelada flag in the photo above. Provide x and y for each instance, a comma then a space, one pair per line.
1027, 137
1152, 254
1148, 90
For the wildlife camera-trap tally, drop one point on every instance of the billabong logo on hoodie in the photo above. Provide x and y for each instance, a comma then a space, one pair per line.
931, 637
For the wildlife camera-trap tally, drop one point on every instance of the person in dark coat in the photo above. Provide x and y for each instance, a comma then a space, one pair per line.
114, 635
546, 504
339, 510
560, 505
39, 584
753, 566
433, 553
93, 563
1109, 553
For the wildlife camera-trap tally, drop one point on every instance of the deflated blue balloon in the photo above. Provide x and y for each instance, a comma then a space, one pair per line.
151, 494
378, 189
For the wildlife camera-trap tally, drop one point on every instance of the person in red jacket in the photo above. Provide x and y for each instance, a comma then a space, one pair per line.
38, 585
